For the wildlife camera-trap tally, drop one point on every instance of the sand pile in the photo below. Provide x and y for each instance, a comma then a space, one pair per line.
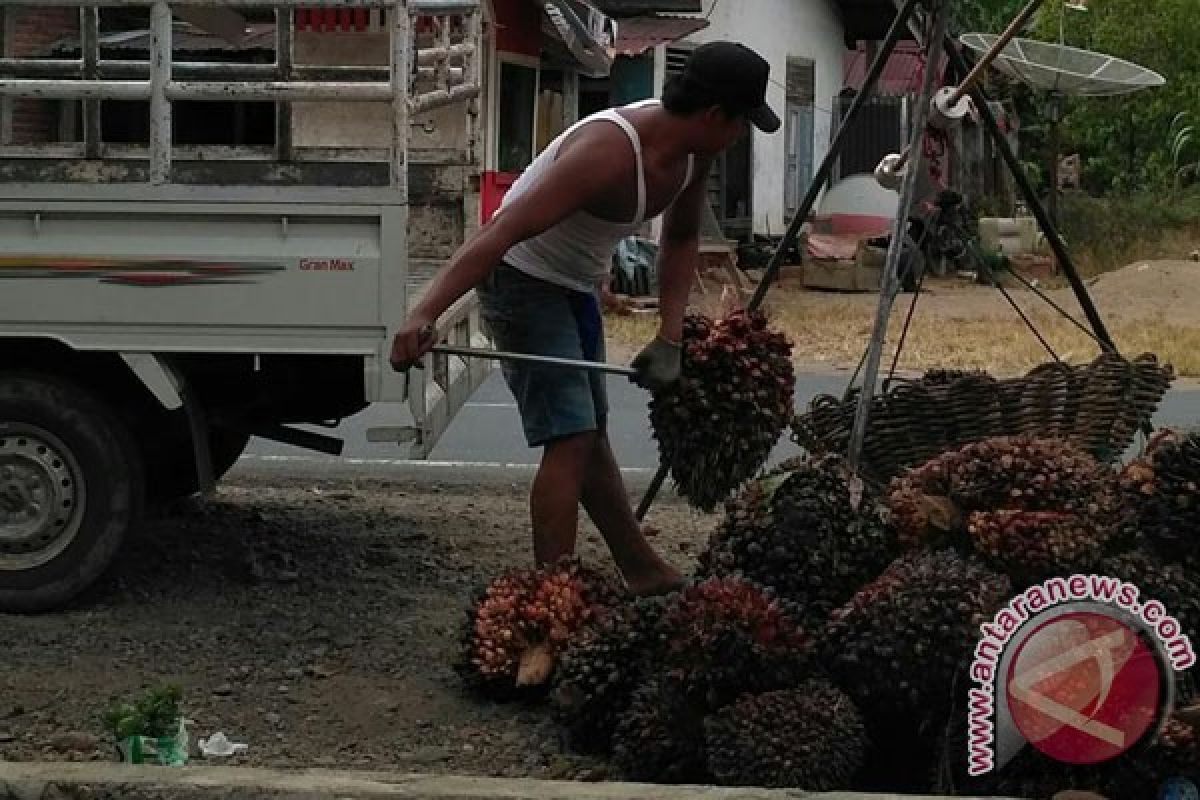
1146, 290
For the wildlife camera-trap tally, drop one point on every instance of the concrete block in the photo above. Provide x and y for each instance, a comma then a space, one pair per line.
103, 781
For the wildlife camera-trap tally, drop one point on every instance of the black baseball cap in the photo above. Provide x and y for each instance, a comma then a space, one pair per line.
735, 77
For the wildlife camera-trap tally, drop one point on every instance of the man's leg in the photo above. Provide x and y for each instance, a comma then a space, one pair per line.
554, 499
607, 503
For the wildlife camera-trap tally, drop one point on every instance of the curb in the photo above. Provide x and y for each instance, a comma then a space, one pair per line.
102, 781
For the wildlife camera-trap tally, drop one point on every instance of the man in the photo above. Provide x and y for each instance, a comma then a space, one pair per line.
538, 265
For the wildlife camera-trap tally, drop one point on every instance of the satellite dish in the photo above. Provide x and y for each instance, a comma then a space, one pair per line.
1065, 70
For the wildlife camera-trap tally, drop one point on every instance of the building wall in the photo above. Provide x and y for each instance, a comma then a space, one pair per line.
777, 29
29, 30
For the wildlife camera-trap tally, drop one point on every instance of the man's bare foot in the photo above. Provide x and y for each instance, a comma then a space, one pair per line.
662, 580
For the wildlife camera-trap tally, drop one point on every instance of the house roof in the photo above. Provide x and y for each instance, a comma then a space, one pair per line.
627, 7
636, 35
901, 75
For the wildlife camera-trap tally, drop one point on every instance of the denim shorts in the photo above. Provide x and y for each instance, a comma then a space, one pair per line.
524, 314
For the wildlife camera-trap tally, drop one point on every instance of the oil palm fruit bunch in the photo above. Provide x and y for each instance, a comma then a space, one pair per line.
811, 737
1030, 546
521, 622
1006, 473
659, 738
602, 667
794, 530
1164, 489
717, 424
897, 645
723, 637
1174, 585
1136, 775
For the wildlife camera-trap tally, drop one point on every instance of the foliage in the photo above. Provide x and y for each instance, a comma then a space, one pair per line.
1108, 233
1184, 146
154, 714
1121, 138
986, 16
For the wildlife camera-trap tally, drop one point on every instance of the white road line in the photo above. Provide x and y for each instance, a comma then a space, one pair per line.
490, 405
399, 462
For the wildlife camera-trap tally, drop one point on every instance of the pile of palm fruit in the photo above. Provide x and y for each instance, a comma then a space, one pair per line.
825, 638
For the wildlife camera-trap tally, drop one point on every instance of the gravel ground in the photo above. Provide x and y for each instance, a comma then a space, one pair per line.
315, 621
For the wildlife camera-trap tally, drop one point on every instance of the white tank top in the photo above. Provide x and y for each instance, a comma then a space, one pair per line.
577, 252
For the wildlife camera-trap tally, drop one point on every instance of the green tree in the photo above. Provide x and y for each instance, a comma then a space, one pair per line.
986, 16
1125, 141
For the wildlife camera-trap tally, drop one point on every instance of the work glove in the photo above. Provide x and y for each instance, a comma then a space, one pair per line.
658, 365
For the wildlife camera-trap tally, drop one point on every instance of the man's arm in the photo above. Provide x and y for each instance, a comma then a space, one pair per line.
570, 184
679, 251
659, 363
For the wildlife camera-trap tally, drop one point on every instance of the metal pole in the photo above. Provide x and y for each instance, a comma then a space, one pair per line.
160, 104
870, 82
941, 18
473, 76
401, 65
1034, 203
997, 47
528, 358
7, 23
285, 41
89, 40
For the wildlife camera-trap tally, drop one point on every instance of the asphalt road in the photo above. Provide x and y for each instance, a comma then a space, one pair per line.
485, 438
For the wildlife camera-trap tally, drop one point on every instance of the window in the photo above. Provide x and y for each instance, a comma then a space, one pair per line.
516, 116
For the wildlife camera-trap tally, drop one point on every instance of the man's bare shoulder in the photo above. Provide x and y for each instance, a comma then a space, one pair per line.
599, 142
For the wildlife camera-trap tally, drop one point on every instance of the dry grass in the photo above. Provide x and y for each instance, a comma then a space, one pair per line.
1171, 243
833, 330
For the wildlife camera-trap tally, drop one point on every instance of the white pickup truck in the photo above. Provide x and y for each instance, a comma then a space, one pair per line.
160, 303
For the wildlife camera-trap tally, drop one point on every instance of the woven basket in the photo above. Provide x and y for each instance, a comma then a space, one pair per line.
1098, 406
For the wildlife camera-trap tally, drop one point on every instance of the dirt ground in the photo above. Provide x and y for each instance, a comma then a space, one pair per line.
315, 621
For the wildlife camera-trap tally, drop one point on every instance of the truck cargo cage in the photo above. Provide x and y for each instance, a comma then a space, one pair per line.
452, 66
330, 239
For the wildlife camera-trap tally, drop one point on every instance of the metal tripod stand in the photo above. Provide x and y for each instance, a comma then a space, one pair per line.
929, 25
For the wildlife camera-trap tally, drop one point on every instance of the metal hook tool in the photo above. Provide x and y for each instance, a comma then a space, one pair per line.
549, 361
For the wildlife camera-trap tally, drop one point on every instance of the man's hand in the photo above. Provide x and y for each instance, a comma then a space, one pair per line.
412, 341
658, 365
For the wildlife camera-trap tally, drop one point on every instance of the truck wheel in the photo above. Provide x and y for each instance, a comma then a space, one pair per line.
71, 487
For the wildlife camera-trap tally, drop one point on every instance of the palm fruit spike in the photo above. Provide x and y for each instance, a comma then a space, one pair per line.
659, 738
1030, 546
810, 737
724, 637
795, 531
1019, 473
600, 670
896, 646
716, 426
521, 622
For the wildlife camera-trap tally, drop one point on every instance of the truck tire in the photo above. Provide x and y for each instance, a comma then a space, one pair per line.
71, 487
